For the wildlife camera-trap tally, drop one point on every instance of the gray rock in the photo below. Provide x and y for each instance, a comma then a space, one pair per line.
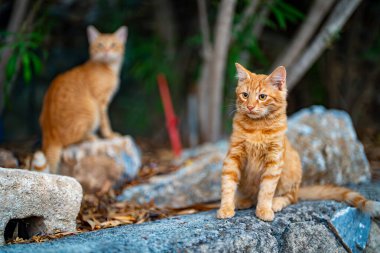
47, 202
310, 237
109, 161
194, 183
7, 159
326, 140
329, 148
304, 227
373, 245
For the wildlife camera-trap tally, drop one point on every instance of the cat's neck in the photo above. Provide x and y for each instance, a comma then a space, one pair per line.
115, 66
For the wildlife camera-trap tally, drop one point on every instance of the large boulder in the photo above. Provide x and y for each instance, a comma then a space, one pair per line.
196, 182
329, 148
100, 164
45, 203
305, 227
326, 140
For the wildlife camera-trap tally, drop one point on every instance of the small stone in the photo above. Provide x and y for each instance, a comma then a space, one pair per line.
100, 164
49, 203
7, 159
96, 174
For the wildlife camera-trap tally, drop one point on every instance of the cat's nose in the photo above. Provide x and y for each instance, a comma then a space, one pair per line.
250, 108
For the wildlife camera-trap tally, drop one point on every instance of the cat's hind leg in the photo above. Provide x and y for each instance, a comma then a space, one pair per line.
91, 137
53, 156
283, 201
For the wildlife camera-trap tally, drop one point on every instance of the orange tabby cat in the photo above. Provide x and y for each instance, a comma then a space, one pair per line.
261, 166
76, 103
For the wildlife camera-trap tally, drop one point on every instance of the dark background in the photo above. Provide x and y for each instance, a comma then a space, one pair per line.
164, 37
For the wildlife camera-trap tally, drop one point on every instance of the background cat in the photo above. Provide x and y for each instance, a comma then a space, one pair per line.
76, 103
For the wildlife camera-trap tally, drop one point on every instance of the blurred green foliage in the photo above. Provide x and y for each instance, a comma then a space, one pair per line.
26, 51
137, 106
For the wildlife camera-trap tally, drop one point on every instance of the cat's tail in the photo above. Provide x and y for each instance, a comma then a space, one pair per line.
53, 156
342, 194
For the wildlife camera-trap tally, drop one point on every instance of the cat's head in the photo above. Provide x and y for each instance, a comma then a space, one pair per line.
107, 47
259, 96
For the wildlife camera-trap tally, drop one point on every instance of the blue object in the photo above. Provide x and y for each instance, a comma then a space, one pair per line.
353, 227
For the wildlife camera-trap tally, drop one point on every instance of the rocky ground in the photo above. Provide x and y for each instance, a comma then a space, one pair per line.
161, 180
306, 227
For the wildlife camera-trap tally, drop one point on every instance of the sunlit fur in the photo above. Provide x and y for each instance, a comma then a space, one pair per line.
76, 103
261, 167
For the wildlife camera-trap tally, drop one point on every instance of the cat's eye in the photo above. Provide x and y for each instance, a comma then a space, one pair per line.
113, 45
244, 95
100, 45
262, 97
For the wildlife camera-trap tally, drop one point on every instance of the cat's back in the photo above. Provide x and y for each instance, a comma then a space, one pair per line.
77, 83
80, 77
72, 81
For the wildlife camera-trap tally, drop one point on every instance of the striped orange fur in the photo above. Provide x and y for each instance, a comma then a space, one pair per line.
76, 103
261, 167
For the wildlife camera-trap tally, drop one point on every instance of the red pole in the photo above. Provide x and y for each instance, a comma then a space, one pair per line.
171, 119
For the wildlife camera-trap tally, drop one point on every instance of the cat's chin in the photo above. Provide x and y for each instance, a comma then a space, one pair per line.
106, 59
253, 116
109, 60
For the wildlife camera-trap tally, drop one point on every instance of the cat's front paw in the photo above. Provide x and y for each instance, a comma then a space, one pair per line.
265, 214
225, 212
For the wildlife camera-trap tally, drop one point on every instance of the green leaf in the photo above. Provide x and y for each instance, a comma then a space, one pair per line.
36, 62
27, 68
11, 67
292, 13
280, 18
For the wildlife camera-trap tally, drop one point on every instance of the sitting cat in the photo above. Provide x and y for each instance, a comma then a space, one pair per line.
261, 167
76, 103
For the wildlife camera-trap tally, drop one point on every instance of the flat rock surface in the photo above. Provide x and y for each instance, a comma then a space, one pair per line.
304, 227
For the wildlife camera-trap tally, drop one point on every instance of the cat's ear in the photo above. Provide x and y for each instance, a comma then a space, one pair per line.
242, 73
278, 78
92, 33
122, 34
